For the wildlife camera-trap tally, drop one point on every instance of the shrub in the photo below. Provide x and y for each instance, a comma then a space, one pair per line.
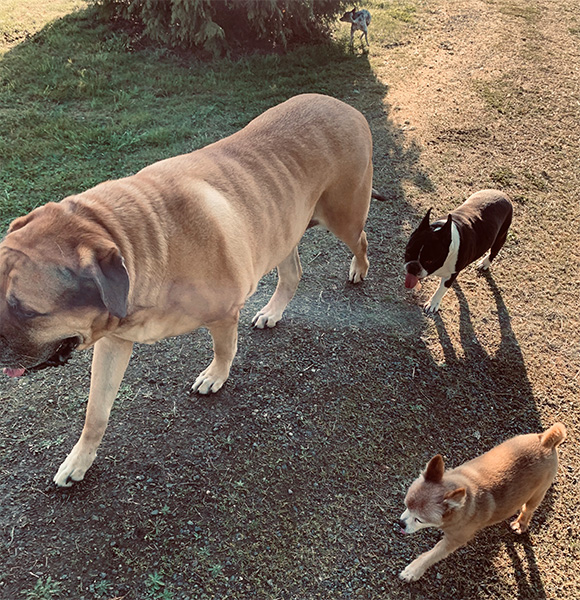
225, 25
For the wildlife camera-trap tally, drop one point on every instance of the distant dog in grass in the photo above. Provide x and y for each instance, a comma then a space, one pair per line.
447, 246
359, 20
488, 489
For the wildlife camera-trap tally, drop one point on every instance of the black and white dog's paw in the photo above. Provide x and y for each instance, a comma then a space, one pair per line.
484, 263
431, 307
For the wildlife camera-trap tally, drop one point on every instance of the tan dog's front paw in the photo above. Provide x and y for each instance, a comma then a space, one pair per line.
264, 318
210, 381
74, 467
411, 572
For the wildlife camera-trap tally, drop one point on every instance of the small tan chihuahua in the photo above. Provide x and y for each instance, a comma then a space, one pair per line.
486, 490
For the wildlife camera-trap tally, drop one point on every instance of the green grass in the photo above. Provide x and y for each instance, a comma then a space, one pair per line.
77, 106
43, 590
502, 96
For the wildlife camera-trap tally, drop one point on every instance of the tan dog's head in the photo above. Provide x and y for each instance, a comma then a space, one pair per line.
429, 501
62, 282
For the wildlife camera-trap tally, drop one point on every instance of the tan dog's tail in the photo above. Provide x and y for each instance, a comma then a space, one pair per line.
553, 437
377, 196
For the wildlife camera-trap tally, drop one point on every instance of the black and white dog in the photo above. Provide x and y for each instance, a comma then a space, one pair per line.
445, 247
359, 20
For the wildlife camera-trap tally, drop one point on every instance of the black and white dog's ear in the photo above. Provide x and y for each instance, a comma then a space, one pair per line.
448, 223
425, 222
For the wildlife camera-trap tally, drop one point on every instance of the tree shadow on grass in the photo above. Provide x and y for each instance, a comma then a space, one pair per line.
83, 97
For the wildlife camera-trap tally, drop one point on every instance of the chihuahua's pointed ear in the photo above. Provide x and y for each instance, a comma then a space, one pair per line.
435, 469
425, 222
448, 223
455, 499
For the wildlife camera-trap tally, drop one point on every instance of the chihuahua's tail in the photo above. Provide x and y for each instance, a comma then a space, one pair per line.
553, 437
377, 196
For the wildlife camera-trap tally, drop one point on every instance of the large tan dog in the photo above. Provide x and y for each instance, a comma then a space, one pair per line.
180, 245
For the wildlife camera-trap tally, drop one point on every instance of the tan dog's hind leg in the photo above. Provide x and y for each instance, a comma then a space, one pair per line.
110, 359
289, 274
359, 265
356, 240
346, 220
225, 345
443, 548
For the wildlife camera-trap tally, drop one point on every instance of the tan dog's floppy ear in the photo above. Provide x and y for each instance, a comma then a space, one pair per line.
106, 268
434, 470
454, 499
19, 223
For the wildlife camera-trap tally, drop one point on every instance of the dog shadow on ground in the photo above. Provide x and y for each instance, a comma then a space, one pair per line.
527, 572
504, 373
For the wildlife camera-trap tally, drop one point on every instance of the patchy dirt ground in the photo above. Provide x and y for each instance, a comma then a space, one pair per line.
286, 484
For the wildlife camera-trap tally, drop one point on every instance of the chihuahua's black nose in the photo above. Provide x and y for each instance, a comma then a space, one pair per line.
402, 524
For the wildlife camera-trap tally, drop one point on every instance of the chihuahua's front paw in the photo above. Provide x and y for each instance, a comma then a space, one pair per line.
411, 572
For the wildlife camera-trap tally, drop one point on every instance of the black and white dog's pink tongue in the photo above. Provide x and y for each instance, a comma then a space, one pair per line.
13, 372
411, 281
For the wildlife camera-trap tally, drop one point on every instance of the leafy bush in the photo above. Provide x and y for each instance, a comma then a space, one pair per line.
223, 25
